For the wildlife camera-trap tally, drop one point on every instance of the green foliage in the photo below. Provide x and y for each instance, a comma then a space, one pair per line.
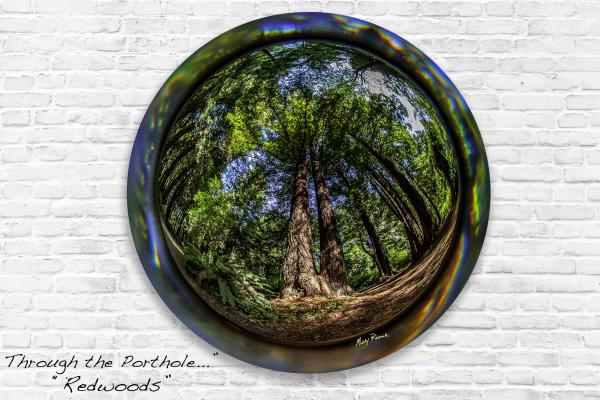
212, 217
241, 141
362, 279
399, 258
228, 163
233, 284
362, 271
261, 246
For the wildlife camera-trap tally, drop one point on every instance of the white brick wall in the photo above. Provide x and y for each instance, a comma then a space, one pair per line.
75, 79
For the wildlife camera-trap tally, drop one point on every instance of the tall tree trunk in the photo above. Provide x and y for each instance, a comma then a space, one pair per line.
379, 254
396, 204
435, 210
444, 166
170, 192
417, 201
166, 173
299, 275
333, 266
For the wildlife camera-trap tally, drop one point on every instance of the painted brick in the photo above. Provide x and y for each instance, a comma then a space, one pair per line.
75, 79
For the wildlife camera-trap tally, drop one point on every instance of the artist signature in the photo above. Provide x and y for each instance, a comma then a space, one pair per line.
371, 338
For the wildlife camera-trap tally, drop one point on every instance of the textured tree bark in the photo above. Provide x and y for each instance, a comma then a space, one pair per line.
438, 217
299, 274
400, 209
416, 199
379, 254
333, 266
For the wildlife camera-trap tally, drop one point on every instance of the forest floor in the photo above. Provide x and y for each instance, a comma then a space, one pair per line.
321, 320
332, 319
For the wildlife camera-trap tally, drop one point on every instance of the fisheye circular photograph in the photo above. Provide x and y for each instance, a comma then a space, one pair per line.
308, 192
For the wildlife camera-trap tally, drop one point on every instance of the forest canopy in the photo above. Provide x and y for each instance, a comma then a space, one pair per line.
304, 181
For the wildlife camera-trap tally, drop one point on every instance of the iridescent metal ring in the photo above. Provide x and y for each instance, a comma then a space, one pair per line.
149, 236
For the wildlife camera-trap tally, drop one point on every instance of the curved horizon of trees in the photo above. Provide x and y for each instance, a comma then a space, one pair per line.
305, 169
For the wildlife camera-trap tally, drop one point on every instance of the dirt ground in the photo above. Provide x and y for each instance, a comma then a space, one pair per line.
325, 320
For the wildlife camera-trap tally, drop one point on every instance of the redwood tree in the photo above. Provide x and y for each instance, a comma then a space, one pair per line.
306, 140
332, 264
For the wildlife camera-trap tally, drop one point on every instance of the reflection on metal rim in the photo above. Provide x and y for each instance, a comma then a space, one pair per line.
159, 260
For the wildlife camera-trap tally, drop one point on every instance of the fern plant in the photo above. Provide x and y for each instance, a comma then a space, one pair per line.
235, 286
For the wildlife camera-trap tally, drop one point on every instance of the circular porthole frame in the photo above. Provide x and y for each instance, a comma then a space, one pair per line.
143, 208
